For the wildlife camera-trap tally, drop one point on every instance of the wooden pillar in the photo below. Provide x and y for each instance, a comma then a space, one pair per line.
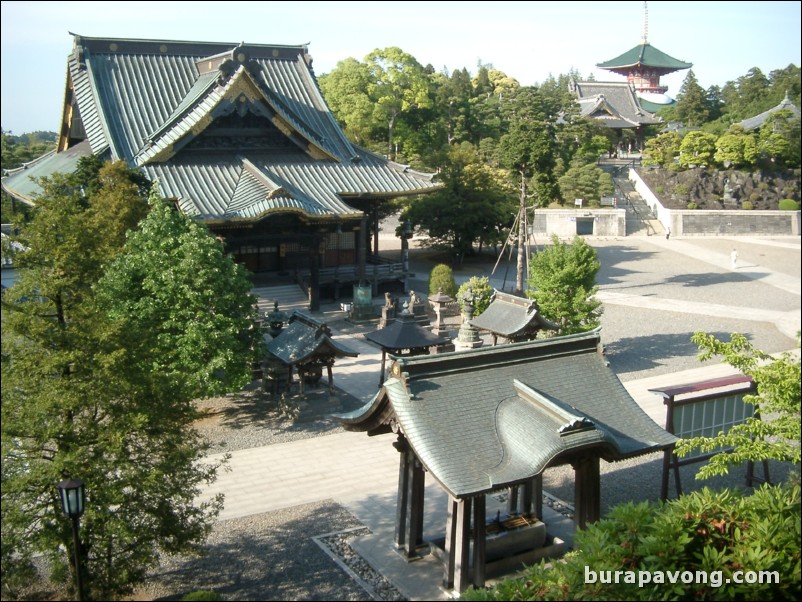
314, 275
452, 526
512, 500
415, 498
462, 545
587, 499
374, 215
381, 374
361, 249
402, 500
479, 541
537, 496
526, 498
331, 377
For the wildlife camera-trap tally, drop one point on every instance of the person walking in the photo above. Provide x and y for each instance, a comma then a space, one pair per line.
668, 233
734, 259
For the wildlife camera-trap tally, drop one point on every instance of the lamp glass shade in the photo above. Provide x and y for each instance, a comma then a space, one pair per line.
72, 497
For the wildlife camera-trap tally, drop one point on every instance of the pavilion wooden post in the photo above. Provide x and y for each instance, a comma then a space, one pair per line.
479, 541
587, 498
410, 499
462, 545
402, 498
416, 500
450, 543
330, 375
382, 373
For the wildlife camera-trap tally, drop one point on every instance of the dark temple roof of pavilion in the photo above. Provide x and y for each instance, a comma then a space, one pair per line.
615, 104
488, 418
234, 132
757, 121
405, 333
305, 338
644, 55
511, 316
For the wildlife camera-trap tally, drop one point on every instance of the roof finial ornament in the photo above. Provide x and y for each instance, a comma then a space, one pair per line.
645, 23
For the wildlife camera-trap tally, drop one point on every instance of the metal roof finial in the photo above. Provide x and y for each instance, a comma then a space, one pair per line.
645, 23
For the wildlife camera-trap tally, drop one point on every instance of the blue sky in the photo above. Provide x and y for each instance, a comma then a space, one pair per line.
527, 40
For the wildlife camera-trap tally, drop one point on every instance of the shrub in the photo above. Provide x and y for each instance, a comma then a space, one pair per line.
692, 205
482, 292
442, 278
705, 531
660, 189
746, 205
789, 205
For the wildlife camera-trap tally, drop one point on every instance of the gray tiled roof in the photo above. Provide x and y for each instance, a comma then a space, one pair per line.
162, 105
405, 333
614, 103
303, 338
755, 122
24, 180
509, 316
487, 418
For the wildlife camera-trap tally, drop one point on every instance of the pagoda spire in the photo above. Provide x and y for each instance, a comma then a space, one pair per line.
645, 38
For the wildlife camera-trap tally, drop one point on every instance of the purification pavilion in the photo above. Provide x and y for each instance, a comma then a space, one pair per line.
493, 419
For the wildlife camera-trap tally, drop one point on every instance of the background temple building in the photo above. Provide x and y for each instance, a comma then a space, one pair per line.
630, 105
240, 137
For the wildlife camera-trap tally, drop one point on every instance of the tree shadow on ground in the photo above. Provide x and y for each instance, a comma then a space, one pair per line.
270, 556
636, 354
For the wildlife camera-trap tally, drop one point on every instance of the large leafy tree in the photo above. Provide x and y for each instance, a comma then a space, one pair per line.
474, 204
737, 148
528, 150
91, 393
346, 92
562, 279
697, 149
398, 83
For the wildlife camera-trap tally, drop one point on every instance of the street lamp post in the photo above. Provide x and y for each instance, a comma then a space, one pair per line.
73, 498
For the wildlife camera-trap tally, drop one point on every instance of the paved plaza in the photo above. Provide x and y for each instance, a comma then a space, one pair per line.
656, 293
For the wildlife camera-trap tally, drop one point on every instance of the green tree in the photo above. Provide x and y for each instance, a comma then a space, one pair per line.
736, 149
441, 279
662, 149
528, 150
588, 182
697, 149
562, 279
474, 204
779, 139
692, 106
346, 91
101, 359
481, 293
398, 83
775, 436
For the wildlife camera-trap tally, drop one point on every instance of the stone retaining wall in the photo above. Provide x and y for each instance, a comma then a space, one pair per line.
694, 222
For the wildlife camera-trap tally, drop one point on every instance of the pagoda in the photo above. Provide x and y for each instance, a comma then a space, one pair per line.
643, 66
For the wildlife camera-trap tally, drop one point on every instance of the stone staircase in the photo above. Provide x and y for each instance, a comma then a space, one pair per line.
641, 220
289, 296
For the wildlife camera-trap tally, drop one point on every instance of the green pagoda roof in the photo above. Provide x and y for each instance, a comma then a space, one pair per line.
644, 55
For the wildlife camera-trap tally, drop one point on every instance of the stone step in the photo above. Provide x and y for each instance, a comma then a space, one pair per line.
289, 296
